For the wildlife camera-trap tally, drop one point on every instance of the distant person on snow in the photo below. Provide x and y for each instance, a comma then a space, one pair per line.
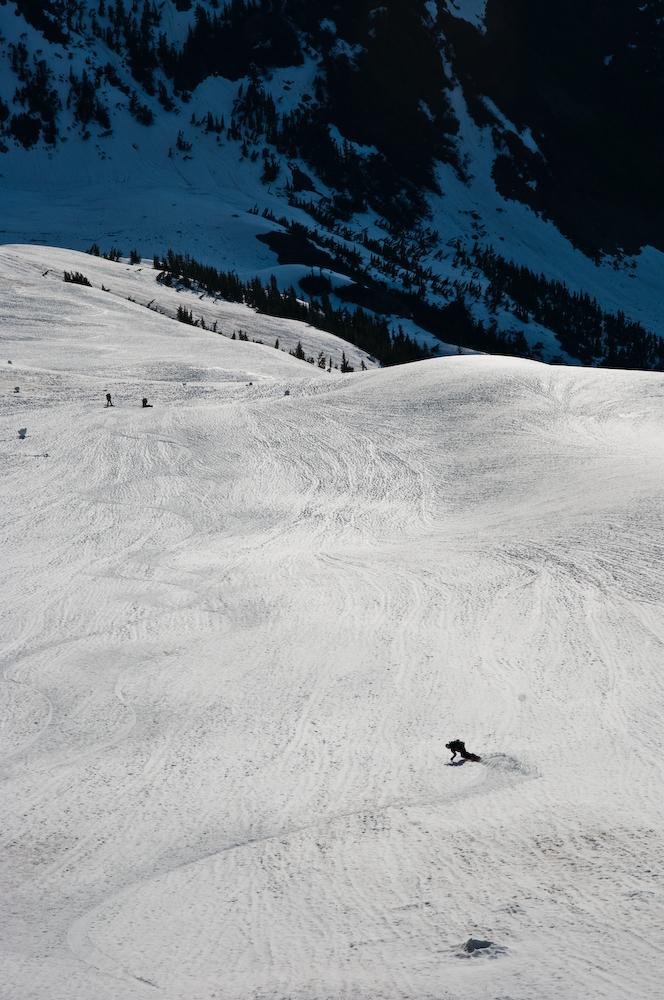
459, 747
108, 399
145, 402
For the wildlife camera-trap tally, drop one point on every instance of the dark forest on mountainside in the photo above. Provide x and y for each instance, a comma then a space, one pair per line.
587, 80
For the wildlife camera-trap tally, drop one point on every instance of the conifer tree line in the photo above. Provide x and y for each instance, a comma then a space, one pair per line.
76, 278
398, 257
359, 181
368, 332
452, 323
86, 105
37, 96
126, 32
584, 330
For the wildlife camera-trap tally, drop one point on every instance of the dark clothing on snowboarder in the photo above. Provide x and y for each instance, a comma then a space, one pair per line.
145, 402
108, 399
459, 747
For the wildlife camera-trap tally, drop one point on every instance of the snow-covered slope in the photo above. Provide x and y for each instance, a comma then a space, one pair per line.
125, 298
239, 628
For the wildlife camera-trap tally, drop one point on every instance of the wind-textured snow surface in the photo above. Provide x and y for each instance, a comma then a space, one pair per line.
239, 627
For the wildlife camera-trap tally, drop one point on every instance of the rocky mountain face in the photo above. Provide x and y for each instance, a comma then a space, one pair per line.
479, 174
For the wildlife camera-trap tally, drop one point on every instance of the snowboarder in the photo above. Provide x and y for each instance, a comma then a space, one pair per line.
108, 399
145, 402
459, 747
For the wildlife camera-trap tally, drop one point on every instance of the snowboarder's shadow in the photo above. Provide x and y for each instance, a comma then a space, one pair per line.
455, 763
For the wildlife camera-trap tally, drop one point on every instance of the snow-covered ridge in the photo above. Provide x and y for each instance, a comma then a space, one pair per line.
124, 298
240, 625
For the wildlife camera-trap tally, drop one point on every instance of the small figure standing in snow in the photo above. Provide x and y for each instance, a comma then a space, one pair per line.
145, 402
108, 399
459, 747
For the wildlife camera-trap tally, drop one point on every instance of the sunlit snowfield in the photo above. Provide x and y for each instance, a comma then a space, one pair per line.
239, 628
